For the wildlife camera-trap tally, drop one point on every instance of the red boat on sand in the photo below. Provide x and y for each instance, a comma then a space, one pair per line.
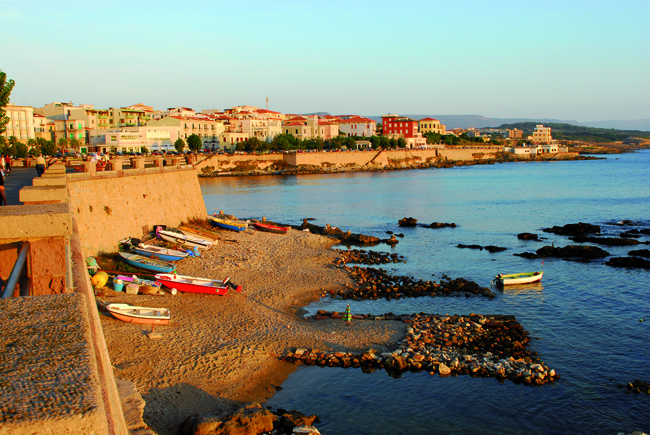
270, 228
190, 284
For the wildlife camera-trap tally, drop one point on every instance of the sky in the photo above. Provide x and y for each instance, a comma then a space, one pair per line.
569, 60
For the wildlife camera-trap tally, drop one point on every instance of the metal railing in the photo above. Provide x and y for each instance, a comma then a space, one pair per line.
8, 289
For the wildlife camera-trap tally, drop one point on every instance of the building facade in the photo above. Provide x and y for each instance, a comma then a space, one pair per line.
399, 126
542, 135
21, 122
431, 125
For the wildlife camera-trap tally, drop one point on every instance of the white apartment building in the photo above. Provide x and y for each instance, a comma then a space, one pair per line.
21, 122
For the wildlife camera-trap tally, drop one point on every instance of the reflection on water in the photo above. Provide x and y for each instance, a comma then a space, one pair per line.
584, 316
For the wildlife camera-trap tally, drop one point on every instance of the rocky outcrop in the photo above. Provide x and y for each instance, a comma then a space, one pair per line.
251, 419
631, 262
573, 251
361, 256
346, 238
527, 236
292, 419
408, 222
574, 229
607, 241
489, 248
528, 255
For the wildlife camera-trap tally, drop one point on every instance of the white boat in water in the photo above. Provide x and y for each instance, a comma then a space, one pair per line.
184, 239
518, 278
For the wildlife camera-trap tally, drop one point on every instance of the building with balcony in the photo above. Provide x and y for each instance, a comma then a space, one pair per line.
207, 129
21, 122
73, 129
43, 127
125, 140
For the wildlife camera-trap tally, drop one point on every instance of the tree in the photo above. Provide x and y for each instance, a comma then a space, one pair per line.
63, 144
144, 150
5, 91
74, 144
375, 142
401, 142
21, 151
179, 145
48, 148
194, 143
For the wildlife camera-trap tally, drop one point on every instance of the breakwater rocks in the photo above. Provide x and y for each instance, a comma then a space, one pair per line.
361, 256
372, 283
476, 345
346, 238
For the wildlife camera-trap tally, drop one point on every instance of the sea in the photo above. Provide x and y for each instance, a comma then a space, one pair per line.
590, 322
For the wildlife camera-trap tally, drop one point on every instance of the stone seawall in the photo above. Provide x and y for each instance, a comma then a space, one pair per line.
108, 209
466, 154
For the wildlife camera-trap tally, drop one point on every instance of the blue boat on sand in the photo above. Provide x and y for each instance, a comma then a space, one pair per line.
159, 253
227, 224
147, 263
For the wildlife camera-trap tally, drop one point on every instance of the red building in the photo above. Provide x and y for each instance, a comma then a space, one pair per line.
399, 126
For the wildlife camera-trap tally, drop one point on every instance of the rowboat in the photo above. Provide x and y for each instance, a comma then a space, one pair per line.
518, 278
147, 263
143, 315
270, 228
184, 239
159, 253
190, 284
227, 224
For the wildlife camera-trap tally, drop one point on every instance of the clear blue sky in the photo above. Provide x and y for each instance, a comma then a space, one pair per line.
573, 60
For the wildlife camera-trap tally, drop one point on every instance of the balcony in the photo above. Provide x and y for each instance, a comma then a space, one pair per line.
103, 124
130, 116
130, 124
102, 116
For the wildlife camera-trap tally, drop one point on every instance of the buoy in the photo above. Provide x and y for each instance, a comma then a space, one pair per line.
99, 279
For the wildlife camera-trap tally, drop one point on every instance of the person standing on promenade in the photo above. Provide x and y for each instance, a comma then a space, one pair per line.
8, 165
3, 194
40, 164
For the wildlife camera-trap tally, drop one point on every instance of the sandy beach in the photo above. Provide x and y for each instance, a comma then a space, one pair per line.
221, 351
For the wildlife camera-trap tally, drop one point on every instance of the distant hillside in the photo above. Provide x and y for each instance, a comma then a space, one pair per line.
562, 131
478, 121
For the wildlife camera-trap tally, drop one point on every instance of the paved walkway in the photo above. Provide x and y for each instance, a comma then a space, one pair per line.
19, 178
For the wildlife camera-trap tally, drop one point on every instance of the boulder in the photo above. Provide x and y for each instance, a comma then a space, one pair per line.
573, 251
443, 369
251, 419
396, 363
527, 236
436, 225
408, 222
493, 249
528, 255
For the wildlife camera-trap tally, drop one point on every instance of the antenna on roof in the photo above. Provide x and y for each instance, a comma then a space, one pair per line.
267, 103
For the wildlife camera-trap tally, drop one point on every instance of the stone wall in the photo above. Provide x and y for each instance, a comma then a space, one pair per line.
230, 162
108, 209
464, 154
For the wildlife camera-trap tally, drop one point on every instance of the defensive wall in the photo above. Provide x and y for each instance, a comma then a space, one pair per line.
57, 373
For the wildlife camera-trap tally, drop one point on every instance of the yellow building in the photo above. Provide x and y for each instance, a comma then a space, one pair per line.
209, 130
21, 122
430, 125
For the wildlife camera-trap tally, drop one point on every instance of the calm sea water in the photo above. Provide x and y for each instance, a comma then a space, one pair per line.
584, 317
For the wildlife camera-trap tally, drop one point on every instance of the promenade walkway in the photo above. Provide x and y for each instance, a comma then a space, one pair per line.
19, 178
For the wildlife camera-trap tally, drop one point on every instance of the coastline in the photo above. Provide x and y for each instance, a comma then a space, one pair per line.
222, 351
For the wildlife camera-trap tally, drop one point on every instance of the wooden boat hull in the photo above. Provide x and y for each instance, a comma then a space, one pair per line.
147, 263
227, 224
139, 315
190, 284
184, 239
518, 278
270, 228
159, 253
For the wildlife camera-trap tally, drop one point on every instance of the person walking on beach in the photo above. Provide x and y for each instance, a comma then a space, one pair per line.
347, 316
40, 164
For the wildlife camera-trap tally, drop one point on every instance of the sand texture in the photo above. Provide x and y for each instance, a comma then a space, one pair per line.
221, 351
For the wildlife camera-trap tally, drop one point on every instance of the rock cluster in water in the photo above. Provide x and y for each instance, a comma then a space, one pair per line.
346, 238
527, 236
407, 222
632, 262
637, 387
607, 241
489, 248
640, 253
570, 251
485, 346
374, 283
361, 256
580, 228
437, 225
